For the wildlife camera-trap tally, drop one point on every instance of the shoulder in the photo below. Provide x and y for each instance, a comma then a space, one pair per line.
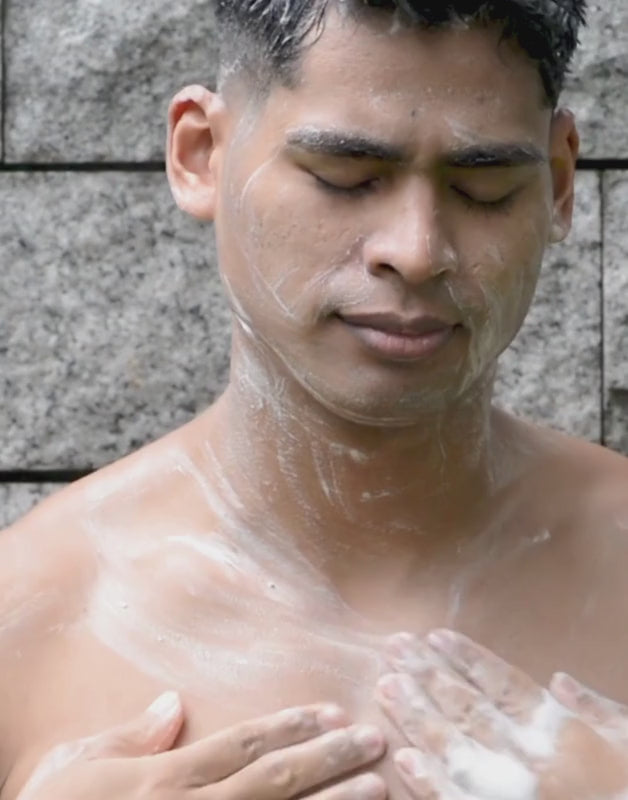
592, 479
50, 558
582, 478
45, 569
53, 566
41, 560
577, 492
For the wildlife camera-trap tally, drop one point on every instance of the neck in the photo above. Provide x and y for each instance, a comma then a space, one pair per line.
331, 487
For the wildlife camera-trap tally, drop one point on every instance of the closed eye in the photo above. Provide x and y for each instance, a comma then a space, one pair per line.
354, 189
497, 204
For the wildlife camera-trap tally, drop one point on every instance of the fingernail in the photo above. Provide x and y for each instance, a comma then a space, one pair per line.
411, 762
442, 640
166, 706
369, 739
396, 686
402, 645
331, 717
565, 683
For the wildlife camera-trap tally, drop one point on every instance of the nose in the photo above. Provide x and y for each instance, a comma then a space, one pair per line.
409, 238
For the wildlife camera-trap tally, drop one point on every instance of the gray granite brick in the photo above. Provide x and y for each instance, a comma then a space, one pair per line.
113, 327
598, 86
91, 81
552, 373
17, 499
616, 310
2, 51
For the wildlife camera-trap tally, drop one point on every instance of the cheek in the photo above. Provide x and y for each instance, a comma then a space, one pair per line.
500, 278
495, 288
279, 252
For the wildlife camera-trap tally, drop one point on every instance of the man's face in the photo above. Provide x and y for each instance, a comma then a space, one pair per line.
381, 226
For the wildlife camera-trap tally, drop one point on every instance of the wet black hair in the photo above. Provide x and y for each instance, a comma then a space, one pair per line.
265, 38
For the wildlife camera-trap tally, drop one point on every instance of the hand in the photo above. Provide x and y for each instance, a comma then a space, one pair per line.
610, 719
479, 729
273, 758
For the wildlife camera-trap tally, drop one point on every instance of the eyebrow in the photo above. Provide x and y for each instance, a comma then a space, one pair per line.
339, 144
496, 155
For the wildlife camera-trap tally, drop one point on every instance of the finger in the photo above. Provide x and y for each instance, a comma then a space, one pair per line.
152, 732
362, 787
470, 766
424, 777
510, 689
414, 715
591, 707
286, 773
463, 706
457, 700
408, 653
471, 770
219, 756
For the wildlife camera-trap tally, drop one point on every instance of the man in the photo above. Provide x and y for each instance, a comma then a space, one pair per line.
384, 178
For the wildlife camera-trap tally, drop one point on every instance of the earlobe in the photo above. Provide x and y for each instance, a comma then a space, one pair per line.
564, 155
194, 136
559, 231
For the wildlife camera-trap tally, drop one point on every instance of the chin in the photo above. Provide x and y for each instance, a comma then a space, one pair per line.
374, 411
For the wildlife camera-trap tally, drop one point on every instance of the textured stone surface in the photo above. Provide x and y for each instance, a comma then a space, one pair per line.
17, 499
89, 80
598, 86
552, 373
112, 322
616, 310
2, 51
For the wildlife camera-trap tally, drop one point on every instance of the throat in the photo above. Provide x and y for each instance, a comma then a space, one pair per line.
347, 499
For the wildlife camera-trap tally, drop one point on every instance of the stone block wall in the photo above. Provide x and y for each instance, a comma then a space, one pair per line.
113, 329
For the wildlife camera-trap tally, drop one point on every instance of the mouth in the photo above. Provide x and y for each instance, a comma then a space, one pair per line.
399, 338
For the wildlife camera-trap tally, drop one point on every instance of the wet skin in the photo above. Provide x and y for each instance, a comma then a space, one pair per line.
353, 480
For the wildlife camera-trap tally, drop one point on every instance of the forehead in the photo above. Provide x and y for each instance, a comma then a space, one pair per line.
461, 84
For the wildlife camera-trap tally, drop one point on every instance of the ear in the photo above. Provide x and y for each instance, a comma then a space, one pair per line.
564, 149
196, 125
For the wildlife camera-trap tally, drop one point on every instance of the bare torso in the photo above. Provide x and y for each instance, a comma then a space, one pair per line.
134, 581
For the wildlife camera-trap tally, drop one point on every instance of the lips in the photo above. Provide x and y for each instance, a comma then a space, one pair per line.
399, 338
397, 324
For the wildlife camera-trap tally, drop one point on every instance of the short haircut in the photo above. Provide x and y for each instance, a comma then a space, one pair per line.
264, 39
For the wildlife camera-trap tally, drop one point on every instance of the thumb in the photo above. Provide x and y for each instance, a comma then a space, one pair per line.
152, 732
593, 708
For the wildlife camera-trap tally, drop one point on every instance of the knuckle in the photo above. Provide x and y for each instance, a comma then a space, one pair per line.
297, 721
251, 744
126, 742
429, 675
342, 748
280, 774
156, 782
